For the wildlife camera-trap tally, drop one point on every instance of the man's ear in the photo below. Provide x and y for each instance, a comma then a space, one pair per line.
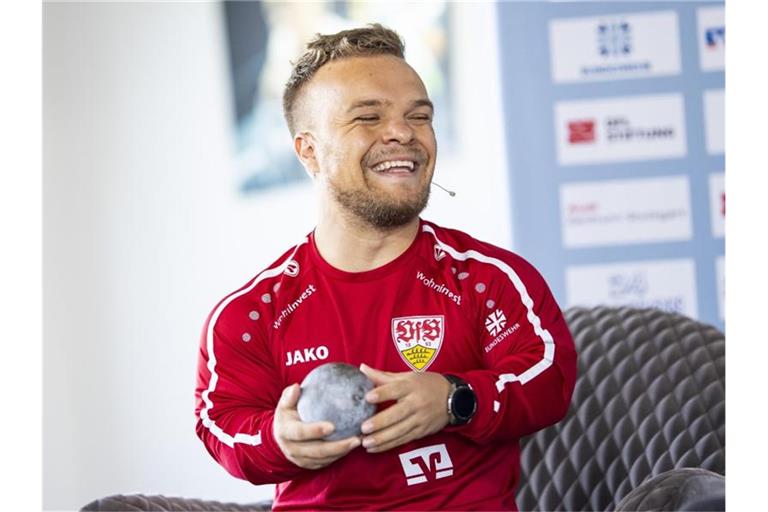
304, 146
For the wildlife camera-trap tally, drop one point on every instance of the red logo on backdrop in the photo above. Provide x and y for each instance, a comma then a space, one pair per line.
418, 339
582, 131
722, 204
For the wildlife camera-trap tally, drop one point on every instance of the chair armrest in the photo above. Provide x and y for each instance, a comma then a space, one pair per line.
132, 502
679, 490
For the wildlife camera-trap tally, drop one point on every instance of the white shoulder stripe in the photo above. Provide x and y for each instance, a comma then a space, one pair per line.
239, 437
546, 337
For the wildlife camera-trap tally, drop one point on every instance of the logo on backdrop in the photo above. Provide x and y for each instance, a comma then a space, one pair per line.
611, 212
624, 285
714, 37
620, 129
596, 48
711, 37
717, 204
426, 464
714, 120
418, 339
669, 285
581, 131
631, 289
614, 39
720, 276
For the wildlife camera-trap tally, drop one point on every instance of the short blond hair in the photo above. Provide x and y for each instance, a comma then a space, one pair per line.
374, 39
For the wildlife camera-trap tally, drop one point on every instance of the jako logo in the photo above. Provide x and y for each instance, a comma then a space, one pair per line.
430, 460
581, 131
306, 355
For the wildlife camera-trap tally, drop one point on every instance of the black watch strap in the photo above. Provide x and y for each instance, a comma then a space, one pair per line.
462, 401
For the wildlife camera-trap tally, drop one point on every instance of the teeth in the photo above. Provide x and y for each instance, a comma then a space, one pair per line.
383, 166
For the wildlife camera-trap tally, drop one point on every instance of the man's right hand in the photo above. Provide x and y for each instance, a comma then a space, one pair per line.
303, 443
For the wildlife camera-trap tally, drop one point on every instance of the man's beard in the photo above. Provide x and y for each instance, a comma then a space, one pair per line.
378, 209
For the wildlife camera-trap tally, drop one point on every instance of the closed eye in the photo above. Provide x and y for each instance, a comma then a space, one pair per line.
421, 117
367, 118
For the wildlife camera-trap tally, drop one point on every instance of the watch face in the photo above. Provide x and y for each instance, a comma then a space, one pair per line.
463, 403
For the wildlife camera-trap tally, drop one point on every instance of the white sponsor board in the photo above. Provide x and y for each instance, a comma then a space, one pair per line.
720, 276
717, 203
620, 129
711, 35
628, 211
665, 284
714, 120
616, 46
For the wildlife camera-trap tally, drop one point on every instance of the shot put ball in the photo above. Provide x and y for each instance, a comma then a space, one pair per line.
335, 392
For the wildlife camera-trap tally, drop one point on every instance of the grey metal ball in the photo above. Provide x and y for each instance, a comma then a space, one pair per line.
335, 392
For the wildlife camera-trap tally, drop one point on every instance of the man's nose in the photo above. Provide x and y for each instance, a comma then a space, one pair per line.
398, 130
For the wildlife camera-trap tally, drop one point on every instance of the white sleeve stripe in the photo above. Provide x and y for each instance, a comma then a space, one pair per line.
546, 337
239, 437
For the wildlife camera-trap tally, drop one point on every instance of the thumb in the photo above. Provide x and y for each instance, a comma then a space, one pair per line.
290, 397
378, 377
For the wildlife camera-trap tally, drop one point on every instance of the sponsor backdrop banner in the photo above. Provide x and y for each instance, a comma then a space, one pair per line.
615, 132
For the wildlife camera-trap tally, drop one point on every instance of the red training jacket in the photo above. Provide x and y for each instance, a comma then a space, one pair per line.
448, 304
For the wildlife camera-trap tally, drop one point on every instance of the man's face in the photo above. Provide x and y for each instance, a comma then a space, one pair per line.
370, 121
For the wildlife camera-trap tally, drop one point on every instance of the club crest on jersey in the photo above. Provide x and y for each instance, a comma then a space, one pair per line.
418, 339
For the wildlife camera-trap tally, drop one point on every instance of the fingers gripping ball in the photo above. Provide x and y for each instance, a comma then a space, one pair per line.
335, 392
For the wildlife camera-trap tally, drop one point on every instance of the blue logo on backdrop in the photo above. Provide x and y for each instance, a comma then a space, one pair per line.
632, 290
614, 39
714, 37
624, 286
615, 46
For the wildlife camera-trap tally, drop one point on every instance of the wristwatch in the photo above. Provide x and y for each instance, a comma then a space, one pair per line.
462, 401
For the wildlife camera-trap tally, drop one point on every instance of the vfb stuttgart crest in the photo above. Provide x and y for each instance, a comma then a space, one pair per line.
418, 339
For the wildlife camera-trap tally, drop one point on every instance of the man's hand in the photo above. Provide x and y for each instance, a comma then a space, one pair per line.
302, 443
421, 407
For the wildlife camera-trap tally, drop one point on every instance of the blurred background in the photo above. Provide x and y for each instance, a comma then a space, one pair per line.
588, 137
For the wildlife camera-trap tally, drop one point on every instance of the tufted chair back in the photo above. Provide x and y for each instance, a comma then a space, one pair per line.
650, 397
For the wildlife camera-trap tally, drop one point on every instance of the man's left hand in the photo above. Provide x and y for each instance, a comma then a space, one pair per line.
420, 408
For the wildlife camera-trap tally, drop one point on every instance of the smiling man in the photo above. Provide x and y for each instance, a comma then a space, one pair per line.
466, 345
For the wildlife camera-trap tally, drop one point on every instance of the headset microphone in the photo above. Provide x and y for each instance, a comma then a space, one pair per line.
450, 192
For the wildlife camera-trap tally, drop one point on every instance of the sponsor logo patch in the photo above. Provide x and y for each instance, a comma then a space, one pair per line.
426, 464
293, 306
440, 288
306, 355
418, 339
495, 322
